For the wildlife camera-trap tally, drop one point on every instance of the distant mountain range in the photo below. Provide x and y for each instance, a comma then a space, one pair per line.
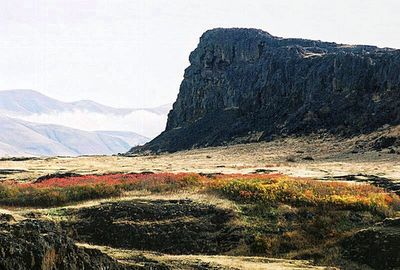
18, 137
32, 124
28, 102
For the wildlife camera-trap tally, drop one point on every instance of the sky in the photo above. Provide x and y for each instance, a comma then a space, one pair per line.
132, 53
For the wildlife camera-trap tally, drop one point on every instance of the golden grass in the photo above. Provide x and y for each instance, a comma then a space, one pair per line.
254, 188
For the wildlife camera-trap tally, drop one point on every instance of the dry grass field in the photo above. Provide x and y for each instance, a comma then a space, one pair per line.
307, 157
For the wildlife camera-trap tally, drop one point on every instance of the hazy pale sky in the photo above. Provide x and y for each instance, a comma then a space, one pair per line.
132, 53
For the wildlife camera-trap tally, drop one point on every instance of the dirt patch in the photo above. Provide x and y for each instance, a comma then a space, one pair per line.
168, 226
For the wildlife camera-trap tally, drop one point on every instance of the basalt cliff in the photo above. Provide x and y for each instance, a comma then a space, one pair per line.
245, 85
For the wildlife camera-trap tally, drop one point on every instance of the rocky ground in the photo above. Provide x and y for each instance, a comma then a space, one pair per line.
177, 231
129, 234
187, 230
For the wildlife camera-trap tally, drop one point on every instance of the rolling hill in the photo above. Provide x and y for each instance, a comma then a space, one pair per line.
34, 124
28, 102
22, 138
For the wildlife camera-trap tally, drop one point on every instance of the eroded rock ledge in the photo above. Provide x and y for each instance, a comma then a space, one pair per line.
33, 244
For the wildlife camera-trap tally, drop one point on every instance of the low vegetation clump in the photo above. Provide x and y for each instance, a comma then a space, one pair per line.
60, 191
307, 192
266, 189
30, 195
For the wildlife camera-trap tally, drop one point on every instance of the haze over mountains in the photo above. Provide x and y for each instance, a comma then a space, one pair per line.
28, 102
34, 124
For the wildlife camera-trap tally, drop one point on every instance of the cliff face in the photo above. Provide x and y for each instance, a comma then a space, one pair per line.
246, 85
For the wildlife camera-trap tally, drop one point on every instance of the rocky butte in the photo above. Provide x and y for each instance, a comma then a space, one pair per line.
246, 85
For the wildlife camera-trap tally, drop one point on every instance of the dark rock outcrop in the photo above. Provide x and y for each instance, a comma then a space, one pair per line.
168, 226
43, 245
32, 244
246, 85
378, 246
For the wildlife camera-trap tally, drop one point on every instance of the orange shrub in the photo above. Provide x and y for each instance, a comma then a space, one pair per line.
268, 188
